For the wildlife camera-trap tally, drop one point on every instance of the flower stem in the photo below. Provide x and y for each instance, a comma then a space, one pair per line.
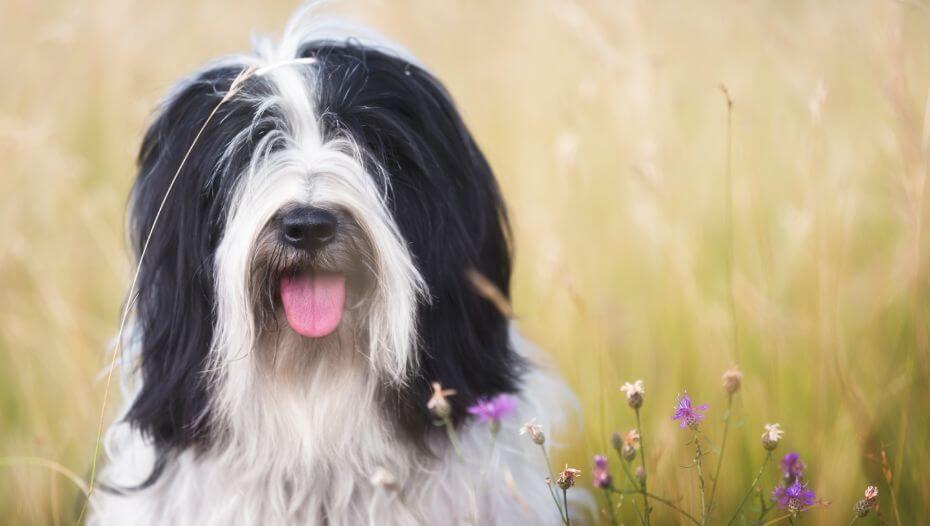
768, 455
700, 469
636, 488
563, 515
568, 521
610, 508
642, 458
453, 438
723, 444
855, 520
665, 501
764, 508
778, 519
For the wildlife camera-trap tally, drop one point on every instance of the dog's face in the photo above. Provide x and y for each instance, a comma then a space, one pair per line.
331, 205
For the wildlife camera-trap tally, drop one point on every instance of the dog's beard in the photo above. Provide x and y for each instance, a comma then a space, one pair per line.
277, 269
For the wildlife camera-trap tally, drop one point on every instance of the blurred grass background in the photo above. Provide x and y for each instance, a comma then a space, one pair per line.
637, 255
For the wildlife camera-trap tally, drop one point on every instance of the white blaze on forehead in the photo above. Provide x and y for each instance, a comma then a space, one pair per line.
295, 103
296, 164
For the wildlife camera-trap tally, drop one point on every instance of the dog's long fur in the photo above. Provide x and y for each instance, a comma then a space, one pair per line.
233, 418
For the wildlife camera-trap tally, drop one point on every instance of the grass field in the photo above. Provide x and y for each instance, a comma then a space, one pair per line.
640, 254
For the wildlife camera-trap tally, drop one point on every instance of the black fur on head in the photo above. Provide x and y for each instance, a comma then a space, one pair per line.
445, 199
440, 191
175, 304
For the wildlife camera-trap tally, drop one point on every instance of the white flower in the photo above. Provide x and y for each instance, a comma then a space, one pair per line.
634, 393
633, 388
772, 436
773, 432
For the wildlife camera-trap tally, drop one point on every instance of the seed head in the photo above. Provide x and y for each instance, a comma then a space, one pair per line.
772, 436
862, 507
634, 393
535, 431
567, 477
437, 404
870, 501
732, 380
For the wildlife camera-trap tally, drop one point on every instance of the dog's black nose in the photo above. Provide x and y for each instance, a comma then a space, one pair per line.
308, 228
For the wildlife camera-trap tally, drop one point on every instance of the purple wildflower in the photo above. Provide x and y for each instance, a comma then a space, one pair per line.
794, 497
493, 409
601, 473
688, 413
793, 467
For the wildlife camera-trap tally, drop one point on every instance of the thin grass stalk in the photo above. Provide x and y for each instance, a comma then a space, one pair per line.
778, 519
563, 514
728, 184
642, 458
568, 522
637, 488
611, 516
117, 351
665, 501
723, 445
50, 464
742, 502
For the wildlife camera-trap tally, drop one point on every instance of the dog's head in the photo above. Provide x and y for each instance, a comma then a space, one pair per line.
329, 204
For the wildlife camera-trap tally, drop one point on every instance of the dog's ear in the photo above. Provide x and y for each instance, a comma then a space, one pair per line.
175, 294
447, 205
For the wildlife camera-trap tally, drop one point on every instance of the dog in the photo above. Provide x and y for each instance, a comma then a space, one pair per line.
307, 220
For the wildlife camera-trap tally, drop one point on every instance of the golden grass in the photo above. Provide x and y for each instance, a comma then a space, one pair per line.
639, 253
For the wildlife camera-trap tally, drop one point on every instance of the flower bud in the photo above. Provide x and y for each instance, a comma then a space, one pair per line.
616, 440
732, 380
862, 508
640, 475
438, 404
871, 499
535, 431
772, 436
441, 409
601, 477
628, 453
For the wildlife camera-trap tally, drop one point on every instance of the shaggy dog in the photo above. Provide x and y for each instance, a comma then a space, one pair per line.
306, 219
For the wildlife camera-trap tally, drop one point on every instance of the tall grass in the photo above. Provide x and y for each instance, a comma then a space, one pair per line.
640, 253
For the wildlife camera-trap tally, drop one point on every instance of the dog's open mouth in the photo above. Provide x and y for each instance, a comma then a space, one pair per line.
313, 301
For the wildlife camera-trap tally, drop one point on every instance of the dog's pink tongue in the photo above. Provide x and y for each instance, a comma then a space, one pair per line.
313, 302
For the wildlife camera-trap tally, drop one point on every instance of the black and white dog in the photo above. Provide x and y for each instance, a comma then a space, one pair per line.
304, 284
